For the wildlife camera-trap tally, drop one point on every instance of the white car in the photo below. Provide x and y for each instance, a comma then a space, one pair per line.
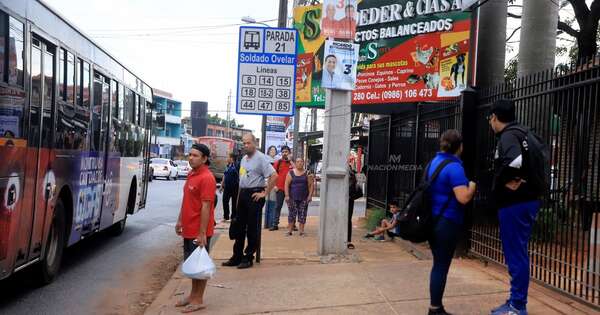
164, 168
183, 168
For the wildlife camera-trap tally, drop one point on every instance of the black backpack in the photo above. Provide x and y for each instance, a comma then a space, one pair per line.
416, 221
536, 159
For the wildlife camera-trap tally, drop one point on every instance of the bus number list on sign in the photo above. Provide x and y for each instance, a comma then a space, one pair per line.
266, 71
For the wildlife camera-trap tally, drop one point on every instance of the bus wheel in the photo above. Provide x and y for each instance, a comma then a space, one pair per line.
50, 263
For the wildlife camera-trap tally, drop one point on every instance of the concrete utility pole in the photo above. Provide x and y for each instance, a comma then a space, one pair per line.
491, 50
537, 48
333, 229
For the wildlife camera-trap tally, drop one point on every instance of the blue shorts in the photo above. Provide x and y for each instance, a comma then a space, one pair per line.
189, 246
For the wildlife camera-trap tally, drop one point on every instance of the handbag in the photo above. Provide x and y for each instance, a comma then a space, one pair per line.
234, 228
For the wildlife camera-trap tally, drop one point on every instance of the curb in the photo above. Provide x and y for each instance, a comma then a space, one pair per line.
420, 251
171, 286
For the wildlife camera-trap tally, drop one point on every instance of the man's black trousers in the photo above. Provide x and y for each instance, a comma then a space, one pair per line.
248, 212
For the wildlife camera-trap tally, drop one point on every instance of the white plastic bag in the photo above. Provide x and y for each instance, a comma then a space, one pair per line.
199, 265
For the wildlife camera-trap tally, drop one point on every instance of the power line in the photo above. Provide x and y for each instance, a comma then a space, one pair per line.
170, 31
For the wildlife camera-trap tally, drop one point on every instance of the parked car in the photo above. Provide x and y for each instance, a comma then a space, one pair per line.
164, 168
183, 168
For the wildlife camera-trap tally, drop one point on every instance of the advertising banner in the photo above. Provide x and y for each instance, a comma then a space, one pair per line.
340, 65
339, 20
411, 50
279, 133
311, 45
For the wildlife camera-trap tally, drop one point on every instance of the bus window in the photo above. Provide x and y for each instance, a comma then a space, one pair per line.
141, 111
49, 86
114, 95
78, 81
121, 101
128, 106
70, 78
86, 84
3, 31
15, 63
96, 111
36, 92
62, 68
12, 109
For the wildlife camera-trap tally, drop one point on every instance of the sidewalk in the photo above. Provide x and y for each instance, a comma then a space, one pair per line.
378, 278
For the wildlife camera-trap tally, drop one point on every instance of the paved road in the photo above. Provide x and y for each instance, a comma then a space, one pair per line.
102, 263
94, 266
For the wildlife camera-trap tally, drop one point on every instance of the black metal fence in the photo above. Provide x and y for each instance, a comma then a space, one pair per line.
400, 146
563, 108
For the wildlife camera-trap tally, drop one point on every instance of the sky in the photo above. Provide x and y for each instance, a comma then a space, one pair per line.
185, 47
189, 47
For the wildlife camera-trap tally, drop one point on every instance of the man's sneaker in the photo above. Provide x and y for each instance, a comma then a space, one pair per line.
274, 228
438, 311
245, 264
230, 263
508, 309
369, 235
379, 238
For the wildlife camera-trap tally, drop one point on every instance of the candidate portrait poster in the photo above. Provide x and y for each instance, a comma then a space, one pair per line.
339, 19
339, 65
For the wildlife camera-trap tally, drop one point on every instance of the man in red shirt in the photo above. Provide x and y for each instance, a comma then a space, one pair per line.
197, 218
282, 167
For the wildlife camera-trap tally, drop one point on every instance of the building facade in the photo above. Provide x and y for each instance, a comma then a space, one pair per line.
166, 138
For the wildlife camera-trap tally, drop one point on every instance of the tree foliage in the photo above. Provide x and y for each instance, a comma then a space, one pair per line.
586, 37
216, 120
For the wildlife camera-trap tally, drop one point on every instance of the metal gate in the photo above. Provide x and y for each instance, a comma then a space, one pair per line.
400, 147
563, 109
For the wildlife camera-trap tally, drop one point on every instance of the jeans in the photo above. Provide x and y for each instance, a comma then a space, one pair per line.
278, 206
229, 193
249, 225
516, 222
443, 243
270, 213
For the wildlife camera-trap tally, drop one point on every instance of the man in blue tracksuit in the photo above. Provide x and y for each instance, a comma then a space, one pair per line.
518, 203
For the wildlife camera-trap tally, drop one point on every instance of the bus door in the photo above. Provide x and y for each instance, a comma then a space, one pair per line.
39, 177
100, 127
144, 135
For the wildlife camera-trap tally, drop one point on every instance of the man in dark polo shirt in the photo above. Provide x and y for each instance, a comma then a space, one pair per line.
255, 169
196, 218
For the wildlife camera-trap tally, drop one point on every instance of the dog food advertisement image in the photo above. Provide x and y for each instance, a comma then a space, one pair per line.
411, 50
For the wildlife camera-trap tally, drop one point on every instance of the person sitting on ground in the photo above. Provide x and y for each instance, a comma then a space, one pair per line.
389, 225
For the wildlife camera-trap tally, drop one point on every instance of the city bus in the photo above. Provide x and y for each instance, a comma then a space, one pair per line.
219, 152
74, 139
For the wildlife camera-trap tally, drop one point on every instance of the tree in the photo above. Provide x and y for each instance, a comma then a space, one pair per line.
587, 19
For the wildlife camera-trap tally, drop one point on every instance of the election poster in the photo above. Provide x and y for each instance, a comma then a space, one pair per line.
339, 20
311, 44
411, 51
279, 133
339, 65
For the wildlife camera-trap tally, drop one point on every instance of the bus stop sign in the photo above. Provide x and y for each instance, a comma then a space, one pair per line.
266, 71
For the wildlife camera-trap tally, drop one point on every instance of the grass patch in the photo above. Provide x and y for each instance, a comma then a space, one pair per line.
374, 218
